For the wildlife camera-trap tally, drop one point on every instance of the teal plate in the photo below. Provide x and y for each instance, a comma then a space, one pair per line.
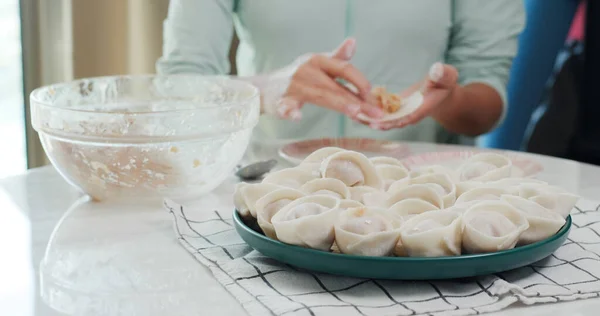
401, 268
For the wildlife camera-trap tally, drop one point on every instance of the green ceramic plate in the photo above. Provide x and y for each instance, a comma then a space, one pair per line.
400, 268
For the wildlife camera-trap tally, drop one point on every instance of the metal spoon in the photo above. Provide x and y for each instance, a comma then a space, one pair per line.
255, 170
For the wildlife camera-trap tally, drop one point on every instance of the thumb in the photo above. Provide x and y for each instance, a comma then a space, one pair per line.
441, 76
346, 50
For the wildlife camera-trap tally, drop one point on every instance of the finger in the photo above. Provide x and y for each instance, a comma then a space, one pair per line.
441, 76
331, 96
339, 95
289, 109
346, 50
342, 69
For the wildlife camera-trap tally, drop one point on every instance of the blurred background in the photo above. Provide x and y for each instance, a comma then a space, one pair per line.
49, 41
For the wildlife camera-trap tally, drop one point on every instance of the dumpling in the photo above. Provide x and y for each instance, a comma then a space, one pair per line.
408, 208
366, 232
550, 197
327, 186
418, 191
268, 205
358, 193
485, 167
425, 170
444, 182
491, 226
346, 204
352, 168
246, 195
509, 184
482, 193
389, 161
307, 222
543, 223
432, 234
321, 154
391, 174
292, 178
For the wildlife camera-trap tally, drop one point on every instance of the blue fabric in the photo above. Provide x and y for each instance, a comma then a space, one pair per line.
547, 26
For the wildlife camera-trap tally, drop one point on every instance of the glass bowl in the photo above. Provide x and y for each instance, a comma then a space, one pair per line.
145, 136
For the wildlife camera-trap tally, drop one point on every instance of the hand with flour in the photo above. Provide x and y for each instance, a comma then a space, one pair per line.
312, 78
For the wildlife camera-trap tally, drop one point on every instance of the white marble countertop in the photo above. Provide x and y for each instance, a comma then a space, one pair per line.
119, 257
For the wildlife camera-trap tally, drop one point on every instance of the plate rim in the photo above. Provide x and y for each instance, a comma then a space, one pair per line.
565, 229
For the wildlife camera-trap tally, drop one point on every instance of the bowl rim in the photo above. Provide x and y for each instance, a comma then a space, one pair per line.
35, 99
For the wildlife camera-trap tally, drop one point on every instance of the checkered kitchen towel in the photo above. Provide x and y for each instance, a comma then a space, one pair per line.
267, 287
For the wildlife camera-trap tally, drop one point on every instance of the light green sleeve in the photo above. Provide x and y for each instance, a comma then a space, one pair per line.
484, 41
197, 37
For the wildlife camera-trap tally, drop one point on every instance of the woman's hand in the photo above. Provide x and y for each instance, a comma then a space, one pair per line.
312, 78
438, 90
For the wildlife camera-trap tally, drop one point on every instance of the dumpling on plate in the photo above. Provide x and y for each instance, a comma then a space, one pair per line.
307, 222
485, 167
321, 154
246, 195
384, 160
444, 182
268, 205
432, 234
327, 186
366, 232
417, 191
352, 168
292, 178
491, 226
406, 209
425, 170
482, 193
550, 197
543, 223
391, 174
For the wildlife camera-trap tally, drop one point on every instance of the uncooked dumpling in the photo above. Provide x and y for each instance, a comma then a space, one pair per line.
482, 193
383, 160
366, 232
550, 197
443, 181
543, 223
246, 195
485, 167
418, 191
490, 226
425, 170
321, 154
268, 205
432, 234
327, 186
352, 168
292, 178
307, 222
406, 209
391, 174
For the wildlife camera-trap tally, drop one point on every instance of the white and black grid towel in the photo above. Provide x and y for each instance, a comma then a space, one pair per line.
266, 287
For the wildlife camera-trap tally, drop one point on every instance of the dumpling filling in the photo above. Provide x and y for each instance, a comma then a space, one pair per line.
346, 171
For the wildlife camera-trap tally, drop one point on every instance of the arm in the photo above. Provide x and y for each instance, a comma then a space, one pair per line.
197, 36
482, 45
547, 26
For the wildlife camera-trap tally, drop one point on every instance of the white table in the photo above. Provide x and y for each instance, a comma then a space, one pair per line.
123, 255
